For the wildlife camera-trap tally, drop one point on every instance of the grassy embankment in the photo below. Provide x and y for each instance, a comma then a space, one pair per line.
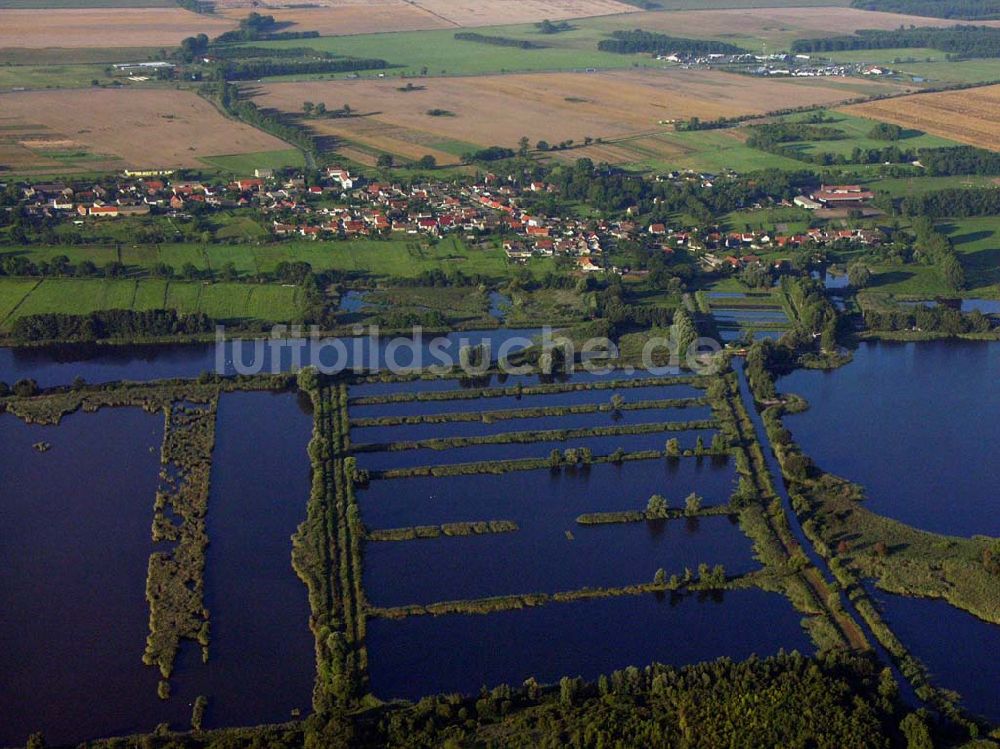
326, 553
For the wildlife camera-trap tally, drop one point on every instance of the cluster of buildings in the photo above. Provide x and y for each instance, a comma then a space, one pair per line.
340, 207
839, 70
736, 250
835, 196
777, 64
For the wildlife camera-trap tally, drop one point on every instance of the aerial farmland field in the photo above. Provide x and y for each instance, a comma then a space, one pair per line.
971, 117
104, 27
499, 110
155, 128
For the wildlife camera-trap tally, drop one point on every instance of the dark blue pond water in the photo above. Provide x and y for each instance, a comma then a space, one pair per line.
540, 556
728, 335
960, 651
424, 655
504, 402
916, 424
381, 461
361, 435
453, 383
261, 666
748, 316
59, 365
353, 301
986, 306
499, 305
74, 547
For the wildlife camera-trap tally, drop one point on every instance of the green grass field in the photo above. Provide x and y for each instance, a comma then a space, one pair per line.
918, 185
705, 150
51, 76
856, 129
977, 241
12, 293
230, 302
244, 164
785, 220
75, 55
440, 53
399, 257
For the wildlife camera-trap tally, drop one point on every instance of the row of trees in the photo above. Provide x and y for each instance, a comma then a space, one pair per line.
247, 70
767, 135
128, 324
941, 162
969, 10
228, 98
631, 42
934, 248
937, 319
958, 202
966, 41
500, 41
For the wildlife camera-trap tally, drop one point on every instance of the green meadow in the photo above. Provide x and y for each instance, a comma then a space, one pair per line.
231, 302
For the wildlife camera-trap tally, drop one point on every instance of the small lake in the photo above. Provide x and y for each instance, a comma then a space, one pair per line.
74, 547
916, 425
960, 651
59, 365
986, 306
423, 655
381, 461
729, 335
749, 315
441, 384
73, 557
261, 666
539, 557
506, 402
353, 301
499, 305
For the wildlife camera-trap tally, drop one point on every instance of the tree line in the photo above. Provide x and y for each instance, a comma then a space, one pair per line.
940, 162
244, 70
968, 10
966, 41
936, 319
227, 96
934, 248
767, 135
631, 42
959, 202
113, 323
500, 41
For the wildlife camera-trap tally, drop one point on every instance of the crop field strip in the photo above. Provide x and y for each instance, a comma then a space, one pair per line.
966, 116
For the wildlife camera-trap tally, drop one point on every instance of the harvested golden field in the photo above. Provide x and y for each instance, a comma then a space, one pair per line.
971, 116
480, 13
776, 25
499, 109
132, 128
104, 27
341, 17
